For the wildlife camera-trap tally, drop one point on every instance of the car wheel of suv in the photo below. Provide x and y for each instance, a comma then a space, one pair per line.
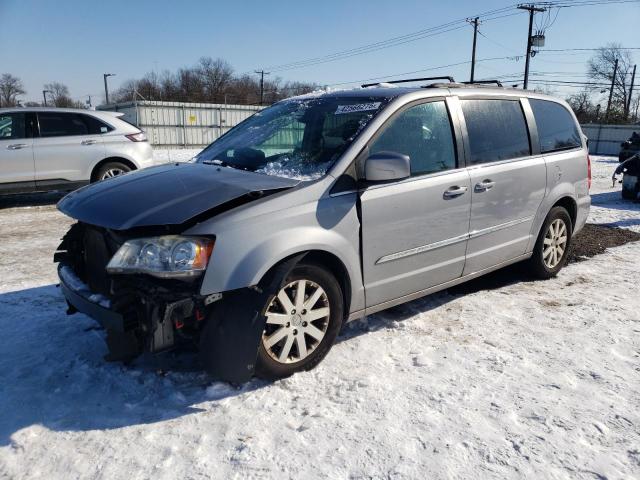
303, 321
552, 246
111, 169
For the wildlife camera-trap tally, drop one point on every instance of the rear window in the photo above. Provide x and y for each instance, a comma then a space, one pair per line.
94, 125
497, 130
557, 129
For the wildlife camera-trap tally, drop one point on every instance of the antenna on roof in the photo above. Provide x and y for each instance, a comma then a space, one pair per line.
410, 80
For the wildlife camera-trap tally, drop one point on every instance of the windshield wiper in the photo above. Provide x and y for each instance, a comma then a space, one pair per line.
222, 163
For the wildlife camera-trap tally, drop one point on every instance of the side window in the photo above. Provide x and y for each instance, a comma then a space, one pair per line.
424, 133
12, 126
497, 130
95, 126
61, 124
557, 129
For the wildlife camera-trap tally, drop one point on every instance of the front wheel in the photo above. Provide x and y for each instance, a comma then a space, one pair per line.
303, 321
552, 246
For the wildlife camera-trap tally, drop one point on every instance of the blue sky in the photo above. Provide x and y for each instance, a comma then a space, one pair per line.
74, 41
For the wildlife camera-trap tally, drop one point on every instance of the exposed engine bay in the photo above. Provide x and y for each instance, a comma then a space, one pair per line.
156, 314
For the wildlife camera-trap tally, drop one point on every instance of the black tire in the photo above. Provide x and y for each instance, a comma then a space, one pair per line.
271, 369
536, 263
110, 167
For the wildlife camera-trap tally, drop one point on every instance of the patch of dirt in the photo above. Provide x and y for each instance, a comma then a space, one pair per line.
590, 241
594, 239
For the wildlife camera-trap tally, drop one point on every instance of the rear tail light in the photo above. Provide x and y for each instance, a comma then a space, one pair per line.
137, 137
588, 171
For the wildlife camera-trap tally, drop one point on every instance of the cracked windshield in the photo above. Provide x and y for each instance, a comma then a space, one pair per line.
299, 138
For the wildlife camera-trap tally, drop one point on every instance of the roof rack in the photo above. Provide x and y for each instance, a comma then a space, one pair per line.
410, 80
484, 82
479, 84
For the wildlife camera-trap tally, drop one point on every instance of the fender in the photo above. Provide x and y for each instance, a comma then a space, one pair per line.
255, 263
231, 338
247, 247
559, 191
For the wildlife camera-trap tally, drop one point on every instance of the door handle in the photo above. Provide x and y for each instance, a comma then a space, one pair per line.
17, 146
455, 191
88, 142
484, 185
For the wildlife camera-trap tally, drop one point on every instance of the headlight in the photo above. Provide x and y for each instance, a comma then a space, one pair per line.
167, 256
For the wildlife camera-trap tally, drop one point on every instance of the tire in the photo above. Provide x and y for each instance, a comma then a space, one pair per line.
109, 170
547, 266
280, 354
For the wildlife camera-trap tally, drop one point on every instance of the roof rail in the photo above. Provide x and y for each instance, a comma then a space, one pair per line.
484, 82
410, 80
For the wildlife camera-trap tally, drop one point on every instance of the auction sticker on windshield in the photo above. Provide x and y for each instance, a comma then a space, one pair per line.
358, 107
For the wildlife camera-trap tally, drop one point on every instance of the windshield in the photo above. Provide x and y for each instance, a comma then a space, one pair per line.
300, 138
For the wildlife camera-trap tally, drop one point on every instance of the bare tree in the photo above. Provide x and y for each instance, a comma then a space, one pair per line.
583, 107
10, 88
60, 97
216, 75
208, 81
600, 68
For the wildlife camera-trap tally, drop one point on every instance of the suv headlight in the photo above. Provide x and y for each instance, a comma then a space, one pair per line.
166, 256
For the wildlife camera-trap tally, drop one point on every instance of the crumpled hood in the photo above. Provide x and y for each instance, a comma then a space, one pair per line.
168, 194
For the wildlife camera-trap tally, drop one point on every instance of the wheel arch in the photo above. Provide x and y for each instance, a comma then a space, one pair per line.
323, 259
561, 196
104, 161
570, 205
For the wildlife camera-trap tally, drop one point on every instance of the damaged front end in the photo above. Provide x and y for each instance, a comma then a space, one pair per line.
126, 264
140, 313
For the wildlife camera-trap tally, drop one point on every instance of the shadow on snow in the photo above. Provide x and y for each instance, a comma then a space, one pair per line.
53, 372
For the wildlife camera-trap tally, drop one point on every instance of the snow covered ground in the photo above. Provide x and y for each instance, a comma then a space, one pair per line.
519, 380
174, 155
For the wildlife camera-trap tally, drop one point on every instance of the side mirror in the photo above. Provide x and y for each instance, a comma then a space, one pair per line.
385, 166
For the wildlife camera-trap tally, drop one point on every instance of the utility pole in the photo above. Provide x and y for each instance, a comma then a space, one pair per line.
633, 79
262, 73
44, 96
475, 24
106, 88
613, 83
532, 9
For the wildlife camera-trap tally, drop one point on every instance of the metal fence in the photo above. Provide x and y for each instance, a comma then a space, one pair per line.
606, 139
182, 125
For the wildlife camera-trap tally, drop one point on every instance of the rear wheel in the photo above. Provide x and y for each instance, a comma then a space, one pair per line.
110, 170
303, 321
552, 246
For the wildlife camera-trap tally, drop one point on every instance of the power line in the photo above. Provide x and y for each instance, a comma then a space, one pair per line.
439, 67
497, 43
584, 49
584, 3
394, 41
432, 31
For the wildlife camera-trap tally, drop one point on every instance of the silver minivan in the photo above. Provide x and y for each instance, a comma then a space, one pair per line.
319, 210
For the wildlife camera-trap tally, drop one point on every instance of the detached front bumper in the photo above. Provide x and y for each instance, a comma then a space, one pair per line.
92, 304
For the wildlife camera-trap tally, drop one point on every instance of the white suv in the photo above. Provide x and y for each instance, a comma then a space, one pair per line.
62, 149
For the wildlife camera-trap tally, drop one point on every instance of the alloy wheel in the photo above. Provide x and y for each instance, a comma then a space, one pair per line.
297, 321
112, 172
555, 244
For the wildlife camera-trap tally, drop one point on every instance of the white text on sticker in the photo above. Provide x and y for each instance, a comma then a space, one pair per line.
358, 107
